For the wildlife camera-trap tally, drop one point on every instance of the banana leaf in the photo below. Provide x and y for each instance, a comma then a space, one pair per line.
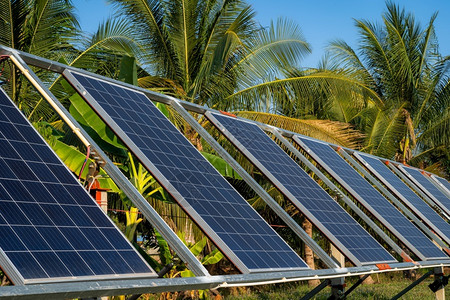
221, 165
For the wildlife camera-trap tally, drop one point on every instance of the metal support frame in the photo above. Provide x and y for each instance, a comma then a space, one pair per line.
391, 197
342, 196
355, 285
435, 180
437, 287
255, 186
157, 285
337, 289
412, 285
413, 186
376, 213
113, 171
418, 186
316, 290
439, 283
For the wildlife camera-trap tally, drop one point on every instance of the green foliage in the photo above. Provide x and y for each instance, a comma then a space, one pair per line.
398, 60
95, 127
205, 51
71, 156
133, 221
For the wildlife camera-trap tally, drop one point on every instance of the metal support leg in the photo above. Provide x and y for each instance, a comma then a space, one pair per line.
337, 288
440, 281
412, 285
317, 289
358, 283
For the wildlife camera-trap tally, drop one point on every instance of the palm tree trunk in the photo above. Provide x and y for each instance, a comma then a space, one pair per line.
309, 255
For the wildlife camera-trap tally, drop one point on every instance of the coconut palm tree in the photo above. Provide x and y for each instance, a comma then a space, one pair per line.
408, 114
41, 27
203, 51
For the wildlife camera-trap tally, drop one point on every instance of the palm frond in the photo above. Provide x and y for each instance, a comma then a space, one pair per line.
330, 131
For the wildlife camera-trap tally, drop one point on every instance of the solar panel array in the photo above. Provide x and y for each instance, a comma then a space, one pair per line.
232, 224
382, 209
301, 189
428, 186
411, 199
50, 227
444, 182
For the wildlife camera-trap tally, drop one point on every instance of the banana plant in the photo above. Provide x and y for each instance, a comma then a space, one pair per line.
133, 221
71, 157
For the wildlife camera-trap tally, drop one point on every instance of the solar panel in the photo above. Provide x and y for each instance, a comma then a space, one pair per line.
442, 182
411, 199
229, 221
427, 187
324, 212
370, 198
50, 227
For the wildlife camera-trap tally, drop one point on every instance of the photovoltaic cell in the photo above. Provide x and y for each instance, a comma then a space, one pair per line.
49, 225
302, 190
426, 186
369, 197
411, 199
444, 183
230, 222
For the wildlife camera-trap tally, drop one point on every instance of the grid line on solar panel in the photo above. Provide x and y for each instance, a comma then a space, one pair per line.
365, 193
232, 224
305, 193
45, 214
428, 186
414, 202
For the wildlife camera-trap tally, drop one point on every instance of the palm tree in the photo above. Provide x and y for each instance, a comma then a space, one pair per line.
204, 51
408, 114
41, 27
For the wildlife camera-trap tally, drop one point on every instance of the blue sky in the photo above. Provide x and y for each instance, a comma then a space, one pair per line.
321, 21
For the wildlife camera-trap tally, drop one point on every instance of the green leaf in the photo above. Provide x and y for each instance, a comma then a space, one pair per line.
128, 70
198, 247
164, 251
163, 108
74, 160
213, 258
95, 127
187, 273
221, 165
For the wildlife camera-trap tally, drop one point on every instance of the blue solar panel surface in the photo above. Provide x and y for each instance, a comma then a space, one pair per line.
373, 198
306, 191
430, 187
417, 204
50, 228
443, 181
209, 199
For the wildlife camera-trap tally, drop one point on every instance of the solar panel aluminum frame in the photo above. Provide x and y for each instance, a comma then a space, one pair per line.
255, 186
404, 199
112, 170
161, 178
417, 186
284, 191
14, 274
413, 186
132, 287
437, 182
357, 196
334, 188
